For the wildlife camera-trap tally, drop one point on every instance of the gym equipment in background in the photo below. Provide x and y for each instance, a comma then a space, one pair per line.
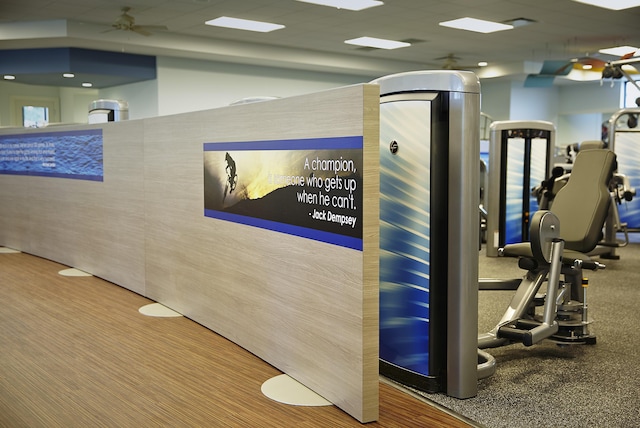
560, 241
485, 136
624, 140
620, 190
101, 111
520, 157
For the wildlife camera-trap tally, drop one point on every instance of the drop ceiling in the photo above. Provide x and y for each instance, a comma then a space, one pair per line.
313, 37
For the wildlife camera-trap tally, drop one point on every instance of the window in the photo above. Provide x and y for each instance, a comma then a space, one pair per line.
631, 94
35, 116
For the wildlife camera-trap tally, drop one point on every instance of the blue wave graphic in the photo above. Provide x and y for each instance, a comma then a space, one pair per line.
405, 235
513, 194
66, 154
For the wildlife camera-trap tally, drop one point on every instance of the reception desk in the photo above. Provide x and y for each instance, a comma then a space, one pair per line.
259, 221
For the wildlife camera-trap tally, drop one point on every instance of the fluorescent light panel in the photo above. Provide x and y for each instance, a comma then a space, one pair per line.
372, 42
619, 50
244, 24
612, 4
477, 25
346, 4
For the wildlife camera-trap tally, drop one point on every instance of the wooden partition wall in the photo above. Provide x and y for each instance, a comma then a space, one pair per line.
306, 306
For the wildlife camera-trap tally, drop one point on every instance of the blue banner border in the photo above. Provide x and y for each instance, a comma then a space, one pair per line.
54, 175
303, 232
350, 142
97, 131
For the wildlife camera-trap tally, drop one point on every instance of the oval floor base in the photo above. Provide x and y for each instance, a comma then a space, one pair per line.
73, 272
285, 389
158, 310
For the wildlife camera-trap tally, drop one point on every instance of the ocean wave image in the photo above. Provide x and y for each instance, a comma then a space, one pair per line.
70, 154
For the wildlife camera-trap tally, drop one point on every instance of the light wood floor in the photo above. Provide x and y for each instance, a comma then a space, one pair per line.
75, 352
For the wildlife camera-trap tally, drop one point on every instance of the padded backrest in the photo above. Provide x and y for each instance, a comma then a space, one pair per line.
591, 144
583, 204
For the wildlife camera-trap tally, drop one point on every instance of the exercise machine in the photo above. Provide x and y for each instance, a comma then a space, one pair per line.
624, 140
557, 254
520, 157
620, 189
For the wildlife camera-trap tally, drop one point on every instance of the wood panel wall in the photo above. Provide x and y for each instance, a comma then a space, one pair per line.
97, 227
308, 308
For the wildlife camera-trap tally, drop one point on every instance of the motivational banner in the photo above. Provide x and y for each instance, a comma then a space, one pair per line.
65, 154
310, 188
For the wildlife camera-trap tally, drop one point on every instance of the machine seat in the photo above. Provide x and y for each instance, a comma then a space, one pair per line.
581, 207
523, 249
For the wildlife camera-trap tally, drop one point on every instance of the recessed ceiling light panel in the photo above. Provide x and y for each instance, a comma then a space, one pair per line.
372, 42
244, 24
477, 25
9, 77
346, 4
68, 75
612, 4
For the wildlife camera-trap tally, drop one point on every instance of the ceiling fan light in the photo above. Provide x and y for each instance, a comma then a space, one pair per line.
583, 75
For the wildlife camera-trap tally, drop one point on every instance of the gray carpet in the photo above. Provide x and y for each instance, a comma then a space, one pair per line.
547, 385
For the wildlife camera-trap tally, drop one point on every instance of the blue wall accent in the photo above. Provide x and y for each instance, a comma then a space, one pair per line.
103, 68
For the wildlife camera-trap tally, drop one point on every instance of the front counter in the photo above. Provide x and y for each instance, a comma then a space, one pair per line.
259, 221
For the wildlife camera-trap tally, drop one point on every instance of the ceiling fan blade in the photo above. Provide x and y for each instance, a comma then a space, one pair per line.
153, 27
140, 30
593, 62
565, 69
539, 80
555, 68
146, 30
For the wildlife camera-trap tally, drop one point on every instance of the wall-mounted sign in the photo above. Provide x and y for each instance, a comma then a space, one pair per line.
310, 188
65, 154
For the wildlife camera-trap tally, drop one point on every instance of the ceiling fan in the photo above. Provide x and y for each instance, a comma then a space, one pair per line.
553, 68
450, 62
126, 22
